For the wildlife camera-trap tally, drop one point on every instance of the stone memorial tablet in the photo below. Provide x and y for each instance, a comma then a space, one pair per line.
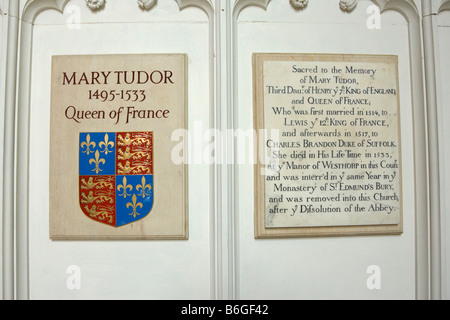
332, 156
111, 174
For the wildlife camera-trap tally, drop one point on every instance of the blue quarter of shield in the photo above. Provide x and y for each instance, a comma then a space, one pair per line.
134, 198
97, 154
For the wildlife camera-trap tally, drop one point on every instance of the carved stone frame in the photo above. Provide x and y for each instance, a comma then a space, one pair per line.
408, 9
29, 13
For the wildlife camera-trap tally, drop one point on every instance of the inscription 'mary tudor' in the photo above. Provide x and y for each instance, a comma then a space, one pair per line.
117, 77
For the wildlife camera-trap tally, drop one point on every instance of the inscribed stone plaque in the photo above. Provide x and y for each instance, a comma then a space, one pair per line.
331, 146
111, 173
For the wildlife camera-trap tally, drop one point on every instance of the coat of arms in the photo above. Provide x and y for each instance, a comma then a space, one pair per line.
116, 176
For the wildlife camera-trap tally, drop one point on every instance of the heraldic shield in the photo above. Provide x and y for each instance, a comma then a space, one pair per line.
116, 176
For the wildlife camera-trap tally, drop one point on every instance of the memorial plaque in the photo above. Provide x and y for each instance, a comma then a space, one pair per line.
111, 172
330, 157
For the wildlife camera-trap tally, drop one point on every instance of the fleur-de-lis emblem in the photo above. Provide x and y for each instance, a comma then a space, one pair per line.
125, 187
106, 144
134, 205
87, 144
97, 161
144, 188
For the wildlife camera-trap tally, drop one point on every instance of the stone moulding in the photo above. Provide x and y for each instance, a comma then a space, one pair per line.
299, 4
348, 5
345, 5
445, 5
95, 4
146, 4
